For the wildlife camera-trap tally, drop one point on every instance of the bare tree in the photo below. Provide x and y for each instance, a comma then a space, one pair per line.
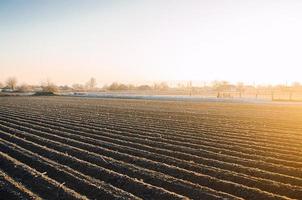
220, 87
11, 83
144, 87
161, 86
91, 84
48, 86
1, 85
24, 88
240, 88
117, 86
77, 86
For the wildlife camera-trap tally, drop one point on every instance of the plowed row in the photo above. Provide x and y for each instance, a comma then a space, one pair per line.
77, 148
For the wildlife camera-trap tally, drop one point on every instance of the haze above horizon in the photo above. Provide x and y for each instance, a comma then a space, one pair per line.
135, 41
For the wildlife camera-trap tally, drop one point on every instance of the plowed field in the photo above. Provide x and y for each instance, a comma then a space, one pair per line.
88, 148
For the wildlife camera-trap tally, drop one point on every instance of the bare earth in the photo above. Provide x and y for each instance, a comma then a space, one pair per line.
94, 148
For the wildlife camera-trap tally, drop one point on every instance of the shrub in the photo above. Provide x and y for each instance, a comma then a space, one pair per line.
44, 93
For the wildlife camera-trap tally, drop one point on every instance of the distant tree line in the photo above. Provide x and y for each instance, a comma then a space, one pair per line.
10, 85
221, 89
115, 86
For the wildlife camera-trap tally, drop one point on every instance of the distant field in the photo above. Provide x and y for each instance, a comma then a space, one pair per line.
79, 148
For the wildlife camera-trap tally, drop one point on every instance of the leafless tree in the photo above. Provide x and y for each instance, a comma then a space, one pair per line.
1, 85
144, 87
77, 86
117, 86
11, 83
131, 87
161, 86
220, 87
240, 88
91, 84
48, 86
24, 88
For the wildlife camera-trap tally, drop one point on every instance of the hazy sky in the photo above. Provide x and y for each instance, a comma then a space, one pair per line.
69, 41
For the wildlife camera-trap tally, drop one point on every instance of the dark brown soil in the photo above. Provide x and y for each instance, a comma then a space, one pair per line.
78, 148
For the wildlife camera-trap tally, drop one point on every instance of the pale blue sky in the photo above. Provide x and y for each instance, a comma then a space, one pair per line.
135, 41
